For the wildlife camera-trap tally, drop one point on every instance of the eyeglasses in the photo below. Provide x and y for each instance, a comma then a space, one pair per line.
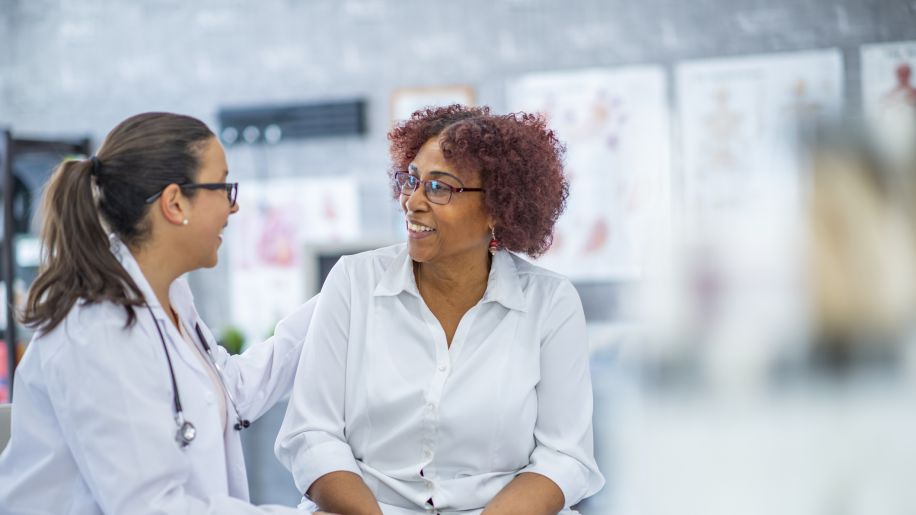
232, 190
436, 191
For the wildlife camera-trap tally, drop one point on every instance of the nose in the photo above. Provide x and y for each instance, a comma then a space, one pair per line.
416, 201
234, 209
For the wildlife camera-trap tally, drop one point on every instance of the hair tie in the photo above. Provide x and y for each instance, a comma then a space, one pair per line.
96, 164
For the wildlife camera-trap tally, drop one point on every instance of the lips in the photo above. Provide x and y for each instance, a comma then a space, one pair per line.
416, 230
418, 227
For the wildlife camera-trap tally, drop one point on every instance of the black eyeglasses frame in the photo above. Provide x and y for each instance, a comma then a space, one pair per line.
232, 190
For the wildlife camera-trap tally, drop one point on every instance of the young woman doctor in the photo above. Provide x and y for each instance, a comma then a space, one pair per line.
124, 403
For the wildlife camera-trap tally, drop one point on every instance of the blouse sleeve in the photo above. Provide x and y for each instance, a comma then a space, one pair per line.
311, 442
564, 447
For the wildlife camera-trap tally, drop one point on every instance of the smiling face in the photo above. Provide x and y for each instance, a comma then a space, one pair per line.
210, 210
444, 233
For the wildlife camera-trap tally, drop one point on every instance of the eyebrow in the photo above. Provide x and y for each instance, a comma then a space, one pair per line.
413, 168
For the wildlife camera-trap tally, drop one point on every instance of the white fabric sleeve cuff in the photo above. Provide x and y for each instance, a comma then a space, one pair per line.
324, 458
570, 475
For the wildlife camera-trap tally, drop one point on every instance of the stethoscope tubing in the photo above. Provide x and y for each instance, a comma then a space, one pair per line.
186, 430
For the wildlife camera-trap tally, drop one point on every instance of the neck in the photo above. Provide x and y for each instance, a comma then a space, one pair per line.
159, 272
465, 276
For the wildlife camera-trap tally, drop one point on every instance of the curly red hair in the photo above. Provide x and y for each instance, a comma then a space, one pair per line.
520, 162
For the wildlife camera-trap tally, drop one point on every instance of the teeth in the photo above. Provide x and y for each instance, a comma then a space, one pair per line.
418, 228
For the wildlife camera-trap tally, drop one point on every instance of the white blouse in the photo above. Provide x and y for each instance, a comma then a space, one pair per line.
379, 392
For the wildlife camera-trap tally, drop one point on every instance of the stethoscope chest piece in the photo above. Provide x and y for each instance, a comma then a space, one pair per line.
186, 433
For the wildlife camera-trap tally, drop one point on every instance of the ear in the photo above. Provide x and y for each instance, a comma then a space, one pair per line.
173, 205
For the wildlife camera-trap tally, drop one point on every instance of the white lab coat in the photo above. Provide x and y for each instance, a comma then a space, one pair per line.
93, 425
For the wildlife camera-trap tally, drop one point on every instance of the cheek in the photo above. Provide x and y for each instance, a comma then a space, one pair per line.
479, 227
215, 219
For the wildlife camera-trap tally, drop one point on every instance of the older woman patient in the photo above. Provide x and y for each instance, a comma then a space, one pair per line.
448, 374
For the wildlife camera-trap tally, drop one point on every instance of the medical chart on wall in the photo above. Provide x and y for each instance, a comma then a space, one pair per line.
615, 124
741, 120
889, 92
266, 240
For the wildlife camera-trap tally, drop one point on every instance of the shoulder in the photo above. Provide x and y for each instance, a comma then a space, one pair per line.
92, 319
541, 283
87, 328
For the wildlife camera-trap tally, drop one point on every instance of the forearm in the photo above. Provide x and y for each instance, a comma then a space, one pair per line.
344, 493
527, 494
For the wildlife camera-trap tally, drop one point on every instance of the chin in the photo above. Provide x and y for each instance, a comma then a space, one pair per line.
211, 261
416, 254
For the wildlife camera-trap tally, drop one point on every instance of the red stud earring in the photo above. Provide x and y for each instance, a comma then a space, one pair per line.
494, 243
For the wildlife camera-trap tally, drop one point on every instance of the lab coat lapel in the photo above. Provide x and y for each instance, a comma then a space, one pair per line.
183, 303
179, 295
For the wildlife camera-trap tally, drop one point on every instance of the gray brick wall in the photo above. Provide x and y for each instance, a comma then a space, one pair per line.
80, 66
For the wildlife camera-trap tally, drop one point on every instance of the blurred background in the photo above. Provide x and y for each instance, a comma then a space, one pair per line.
741, 225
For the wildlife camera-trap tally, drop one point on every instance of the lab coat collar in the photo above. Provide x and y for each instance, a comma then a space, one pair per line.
503, 283
179, 292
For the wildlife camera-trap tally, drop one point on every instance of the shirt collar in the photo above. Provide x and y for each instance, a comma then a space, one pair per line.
398, 277
503, 283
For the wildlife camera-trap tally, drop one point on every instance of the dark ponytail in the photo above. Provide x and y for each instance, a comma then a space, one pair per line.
138, 158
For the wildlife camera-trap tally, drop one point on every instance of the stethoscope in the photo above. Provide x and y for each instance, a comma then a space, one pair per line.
186, 430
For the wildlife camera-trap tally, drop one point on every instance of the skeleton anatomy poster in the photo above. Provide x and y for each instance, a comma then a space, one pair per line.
889, 94
614, 123
742, 120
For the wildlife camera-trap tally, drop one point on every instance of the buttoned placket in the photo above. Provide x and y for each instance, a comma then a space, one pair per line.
445, 357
